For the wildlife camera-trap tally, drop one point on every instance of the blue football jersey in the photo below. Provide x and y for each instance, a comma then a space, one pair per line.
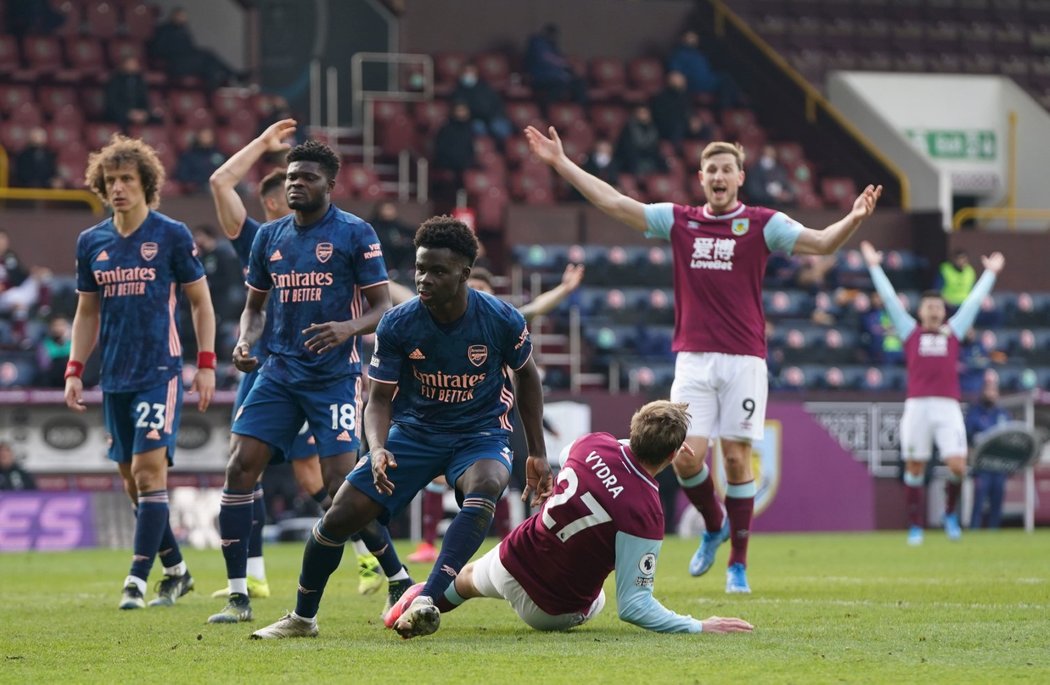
452, 380
242, 245
315, 274
137, 278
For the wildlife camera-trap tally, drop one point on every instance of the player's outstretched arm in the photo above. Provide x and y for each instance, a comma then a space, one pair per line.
832, 238
204, 326
324, 337
546, 302
228, 204
85, 332
902, 321
378, 415
529, 395
598, 192
964, 318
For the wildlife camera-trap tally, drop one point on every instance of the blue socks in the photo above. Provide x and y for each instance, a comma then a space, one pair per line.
150, 526
320, 560
255, 538
462, 539
235, 527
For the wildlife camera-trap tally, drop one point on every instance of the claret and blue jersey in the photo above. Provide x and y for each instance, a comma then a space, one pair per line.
138, 279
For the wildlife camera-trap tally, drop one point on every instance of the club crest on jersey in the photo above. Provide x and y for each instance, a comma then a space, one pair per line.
740, 226
323, 252
148, 251
477, 354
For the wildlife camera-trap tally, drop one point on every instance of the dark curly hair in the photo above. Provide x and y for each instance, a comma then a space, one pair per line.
446, 231
316, 151
121, 151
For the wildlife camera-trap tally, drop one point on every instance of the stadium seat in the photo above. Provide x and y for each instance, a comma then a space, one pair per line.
360, 181
563, 115
13, 96
608, 120
10, 62
43, 54
523, 114
494, 68
431, 115
478, 181
527, 182
65, 138
182, 103
14, 136
397, 134
447, 66
516, 149
493, 163
84, 53
608, 78
97, 135
838, 192
666, 188
140, 20
101, 19
647, 76
384, 110
26, 113
71, 17
52, 98
491, 207
227, 102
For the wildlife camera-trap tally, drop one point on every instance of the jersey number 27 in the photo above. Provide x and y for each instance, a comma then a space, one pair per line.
595, 515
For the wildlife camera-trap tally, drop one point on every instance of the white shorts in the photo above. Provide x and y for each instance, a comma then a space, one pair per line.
726, 394
932, 420
494, 581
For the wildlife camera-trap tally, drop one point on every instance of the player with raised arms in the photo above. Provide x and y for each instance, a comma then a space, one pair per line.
241, 229
439, 404
131, 272
320, 263
932, 415
719, 254
605, 515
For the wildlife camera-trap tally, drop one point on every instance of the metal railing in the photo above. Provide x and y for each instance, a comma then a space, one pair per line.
43, 194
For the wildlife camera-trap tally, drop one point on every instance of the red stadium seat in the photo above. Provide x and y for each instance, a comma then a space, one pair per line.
478, 181
666, 188
361, 182
225, 102
628, 185
183, 137
579, 132
736, 120
691, 151
838, 192
524, 182
608, 78
68, 115
140, 20
200, 118
383, 110
562, 115
494, 68
647, 75
14, 136
43, 54
608, 120
447, 66
72, 18
516, 150
97, 136
120, 48
491, 208
183, 103
790, 154
12, 96
65, 138
397, 134
493, 163
51, 98
27, 113
9, 59
102, 20
152, 134
430, 116
244, 119
230, 139
523, 114
84, 53
483, 144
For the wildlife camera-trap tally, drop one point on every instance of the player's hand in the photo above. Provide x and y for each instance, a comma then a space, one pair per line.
548, 150
75, 394
538, 481
994, 262
204, 383
275, 135
865, 203
686, 450
328, 336
717, 624
381, 461
572, 277
872, 257
242, 357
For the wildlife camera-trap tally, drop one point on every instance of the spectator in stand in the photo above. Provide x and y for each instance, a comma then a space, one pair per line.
768, 182
701, 126
988, 486
396, 237
13, 476
486, 107
32, 17
955, 279
671, 109
454, 143
126, 95
53, 353
553, 79
173, 45
224, 271
638, 150
601, 162
21, 289
198, 162
12, 271
34, 166
699, 74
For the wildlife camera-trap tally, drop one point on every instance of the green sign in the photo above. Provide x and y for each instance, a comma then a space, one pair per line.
976, 144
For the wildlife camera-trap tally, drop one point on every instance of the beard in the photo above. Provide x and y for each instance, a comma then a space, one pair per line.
305, 205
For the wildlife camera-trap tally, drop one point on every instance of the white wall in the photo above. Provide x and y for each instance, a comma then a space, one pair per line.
218, 25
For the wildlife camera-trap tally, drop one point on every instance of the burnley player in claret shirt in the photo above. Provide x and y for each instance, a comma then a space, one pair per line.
719, 252
131, 272
932, 415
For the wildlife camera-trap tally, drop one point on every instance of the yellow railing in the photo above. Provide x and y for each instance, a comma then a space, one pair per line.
814, 99
44, 194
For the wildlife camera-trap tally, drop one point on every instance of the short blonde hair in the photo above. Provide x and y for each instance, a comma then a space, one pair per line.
120, 151
720, 147
658, 429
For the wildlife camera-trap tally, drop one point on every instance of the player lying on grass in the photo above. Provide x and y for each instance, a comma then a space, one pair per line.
605, 515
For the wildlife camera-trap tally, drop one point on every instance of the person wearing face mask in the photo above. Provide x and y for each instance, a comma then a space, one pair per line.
767, 181
602, 164
486, 108
988, 486
53, 353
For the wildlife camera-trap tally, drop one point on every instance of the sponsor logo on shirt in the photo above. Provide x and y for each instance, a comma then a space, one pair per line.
417, 355
477, 354
124, 281
148, 251
323, 252
276, 256
447, 387
374, 250
522, 337
375, 361
713, 253
692, 224
102, 256
305, 286
933, 345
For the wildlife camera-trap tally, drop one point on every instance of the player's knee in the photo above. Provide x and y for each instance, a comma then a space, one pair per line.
489, 484
246, 463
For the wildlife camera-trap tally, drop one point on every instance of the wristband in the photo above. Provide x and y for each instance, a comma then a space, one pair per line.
74, 369
206, 360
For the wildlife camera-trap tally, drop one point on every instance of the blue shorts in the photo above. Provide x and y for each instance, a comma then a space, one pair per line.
275, 413
422, 456
143, 420
303, 446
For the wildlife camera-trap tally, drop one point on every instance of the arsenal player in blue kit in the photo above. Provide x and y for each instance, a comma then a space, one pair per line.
605, 515
440, 404
320, 264
131, 271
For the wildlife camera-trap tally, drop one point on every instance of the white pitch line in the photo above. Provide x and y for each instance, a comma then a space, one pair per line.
886, 605
905, 580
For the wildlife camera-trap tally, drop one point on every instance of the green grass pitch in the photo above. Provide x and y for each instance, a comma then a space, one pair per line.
855, 608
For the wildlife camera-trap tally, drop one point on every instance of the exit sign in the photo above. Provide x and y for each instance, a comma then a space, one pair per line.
979, 144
